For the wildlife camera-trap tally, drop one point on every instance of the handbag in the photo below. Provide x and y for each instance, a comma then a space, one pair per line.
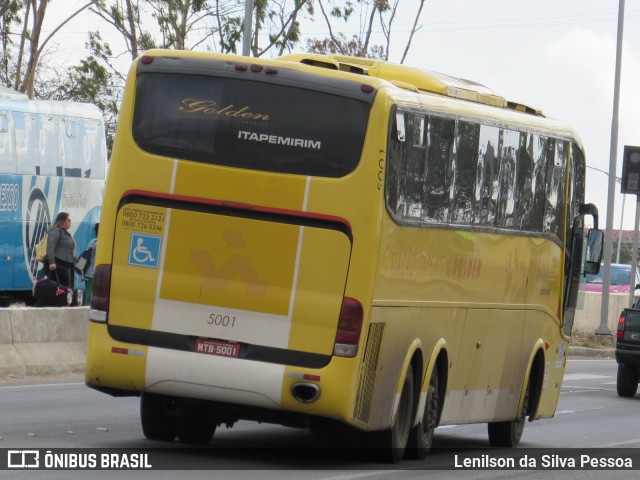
83, 262
41, 248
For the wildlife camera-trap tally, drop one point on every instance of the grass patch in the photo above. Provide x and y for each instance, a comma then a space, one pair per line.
591, 340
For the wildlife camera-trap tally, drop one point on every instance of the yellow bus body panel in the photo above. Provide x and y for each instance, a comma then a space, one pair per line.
487, 299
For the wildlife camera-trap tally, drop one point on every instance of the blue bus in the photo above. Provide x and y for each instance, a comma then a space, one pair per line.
53, 158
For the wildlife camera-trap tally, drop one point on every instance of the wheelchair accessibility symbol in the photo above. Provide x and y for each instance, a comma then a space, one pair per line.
144, 250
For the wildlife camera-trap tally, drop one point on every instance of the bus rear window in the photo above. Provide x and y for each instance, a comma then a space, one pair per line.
248, 124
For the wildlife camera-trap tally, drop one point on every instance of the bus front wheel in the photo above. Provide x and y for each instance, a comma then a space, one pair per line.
389, 445
508, 434
156, 416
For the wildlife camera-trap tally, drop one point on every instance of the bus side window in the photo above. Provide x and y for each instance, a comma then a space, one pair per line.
487, 175
507, 178
555, 180
576, 185
91, 160
524, 183
440, 137
395, 166
50, 150
539, 188
400, 131
71, 147
413, 175
7, 148
27, 148
465, 172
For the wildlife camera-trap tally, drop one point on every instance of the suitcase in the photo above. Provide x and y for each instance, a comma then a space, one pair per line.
50, 293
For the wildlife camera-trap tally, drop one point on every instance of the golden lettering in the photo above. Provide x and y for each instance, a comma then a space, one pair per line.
210, 107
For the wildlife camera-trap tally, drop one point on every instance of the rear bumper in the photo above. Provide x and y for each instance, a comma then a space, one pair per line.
628, 357
120, 369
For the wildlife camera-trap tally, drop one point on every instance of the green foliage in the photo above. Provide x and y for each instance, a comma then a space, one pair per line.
231, 35
10, 22
189, 24
626, 252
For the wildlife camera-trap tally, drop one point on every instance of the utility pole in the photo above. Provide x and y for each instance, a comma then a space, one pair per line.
603, 329
246, 34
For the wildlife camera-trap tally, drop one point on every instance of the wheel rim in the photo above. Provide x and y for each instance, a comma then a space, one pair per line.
430, 418
519, 423
402, 424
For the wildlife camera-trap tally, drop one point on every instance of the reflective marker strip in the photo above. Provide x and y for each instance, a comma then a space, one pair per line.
126, 351
304, 376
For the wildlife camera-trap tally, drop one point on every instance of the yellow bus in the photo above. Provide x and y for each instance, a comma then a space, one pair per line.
359, 248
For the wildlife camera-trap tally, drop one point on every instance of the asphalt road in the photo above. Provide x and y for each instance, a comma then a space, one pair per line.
62, 412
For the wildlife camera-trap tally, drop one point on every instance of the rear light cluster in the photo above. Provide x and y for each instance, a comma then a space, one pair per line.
621, 324
349, 328
100, 294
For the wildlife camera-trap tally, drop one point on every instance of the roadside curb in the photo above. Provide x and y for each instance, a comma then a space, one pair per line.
592, 352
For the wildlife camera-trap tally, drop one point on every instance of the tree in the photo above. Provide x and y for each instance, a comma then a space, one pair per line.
361, 44
9, 19
280, 19
93, 81
26, 54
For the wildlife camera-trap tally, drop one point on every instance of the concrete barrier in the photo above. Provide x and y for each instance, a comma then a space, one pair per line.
587, 319
43, 341
49, 341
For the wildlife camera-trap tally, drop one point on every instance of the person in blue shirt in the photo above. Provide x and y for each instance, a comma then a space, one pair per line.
88, 276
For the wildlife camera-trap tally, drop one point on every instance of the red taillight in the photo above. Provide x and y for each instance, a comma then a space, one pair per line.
349, 328
101, 290
621, 321
146, 59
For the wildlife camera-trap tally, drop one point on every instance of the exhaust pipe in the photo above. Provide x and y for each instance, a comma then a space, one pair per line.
305, 392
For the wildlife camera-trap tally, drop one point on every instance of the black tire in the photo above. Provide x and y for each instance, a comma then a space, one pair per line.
195, 426
421, 436
390, 444
156, 416
508, 434
627, 381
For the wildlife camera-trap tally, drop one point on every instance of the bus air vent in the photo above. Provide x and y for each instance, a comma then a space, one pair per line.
367, 380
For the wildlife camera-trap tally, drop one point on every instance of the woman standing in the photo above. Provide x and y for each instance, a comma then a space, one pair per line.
60, 247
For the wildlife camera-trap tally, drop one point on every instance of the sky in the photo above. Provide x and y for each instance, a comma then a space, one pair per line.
554, 55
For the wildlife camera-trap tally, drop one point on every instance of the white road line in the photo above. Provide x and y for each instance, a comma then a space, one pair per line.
42, 385
583, 376
564, 412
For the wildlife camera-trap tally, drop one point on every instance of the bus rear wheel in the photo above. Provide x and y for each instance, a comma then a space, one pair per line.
156, 416
508, 434
195, 425
421, 436
389, 445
